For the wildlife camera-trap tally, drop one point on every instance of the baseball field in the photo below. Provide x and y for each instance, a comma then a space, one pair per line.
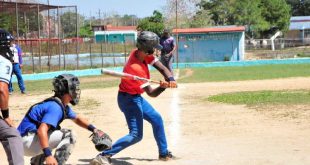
256, 115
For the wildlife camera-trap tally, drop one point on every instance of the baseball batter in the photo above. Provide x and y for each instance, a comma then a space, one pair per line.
40, 128
134, 107
9, 136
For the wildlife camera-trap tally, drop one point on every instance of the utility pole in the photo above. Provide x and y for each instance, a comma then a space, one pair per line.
176, 31
99, 13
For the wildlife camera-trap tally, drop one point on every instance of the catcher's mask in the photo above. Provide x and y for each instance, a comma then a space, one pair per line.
148, 41
67, 83
5, 42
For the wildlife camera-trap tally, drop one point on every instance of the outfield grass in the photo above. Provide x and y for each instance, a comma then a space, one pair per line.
257, 98
193, 75
244, 73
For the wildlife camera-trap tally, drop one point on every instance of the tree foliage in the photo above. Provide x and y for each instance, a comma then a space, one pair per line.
185, 11
154, 23
86, 31
201, 19
69, 21
259, 16
299, 7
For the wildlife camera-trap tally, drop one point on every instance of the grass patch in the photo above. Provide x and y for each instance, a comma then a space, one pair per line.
244, 73
194, 75
256, 98
89, 82
303, 55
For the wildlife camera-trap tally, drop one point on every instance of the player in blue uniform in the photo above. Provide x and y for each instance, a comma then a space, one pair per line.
40, 128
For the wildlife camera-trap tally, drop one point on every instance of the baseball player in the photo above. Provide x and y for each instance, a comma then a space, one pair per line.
9, 136
134, 106
17, 67
40, 128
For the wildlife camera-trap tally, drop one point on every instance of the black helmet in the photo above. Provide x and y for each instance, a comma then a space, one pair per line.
148, 41
5, 42
67, 83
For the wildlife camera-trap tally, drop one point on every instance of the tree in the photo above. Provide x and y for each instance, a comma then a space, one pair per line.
299, 7
201, 19
155, 23
86, 31
186, 9
221, 11
261, 17
277, 14
68, 22
248, 13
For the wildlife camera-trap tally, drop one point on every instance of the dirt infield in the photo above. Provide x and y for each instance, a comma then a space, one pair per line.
198, 132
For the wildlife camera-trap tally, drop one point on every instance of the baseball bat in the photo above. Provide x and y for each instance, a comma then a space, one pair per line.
127, 76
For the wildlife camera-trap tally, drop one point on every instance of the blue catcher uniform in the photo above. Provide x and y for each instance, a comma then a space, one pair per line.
52, 112
49, 112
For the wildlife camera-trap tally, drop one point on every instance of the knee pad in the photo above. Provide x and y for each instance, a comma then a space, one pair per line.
64, 151
62, 154
69, 134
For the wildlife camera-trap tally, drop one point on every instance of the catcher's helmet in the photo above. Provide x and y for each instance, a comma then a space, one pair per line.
148, 41
5, 42
67, 83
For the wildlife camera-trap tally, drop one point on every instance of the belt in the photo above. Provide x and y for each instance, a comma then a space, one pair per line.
125, 93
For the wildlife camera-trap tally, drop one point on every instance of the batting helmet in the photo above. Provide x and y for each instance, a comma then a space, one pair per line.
5, 42
67, 83
148, 41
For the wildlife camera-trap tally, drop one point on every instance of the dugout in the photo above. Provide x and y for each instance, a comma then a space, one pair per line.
223, 43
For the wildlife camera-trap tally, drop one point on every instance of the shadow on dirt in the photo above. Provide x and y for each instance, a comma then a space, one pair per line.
119, 161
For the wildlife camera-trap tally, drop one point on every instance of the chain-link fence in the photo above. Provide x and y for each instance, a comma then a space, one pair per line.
63, 54
280, 49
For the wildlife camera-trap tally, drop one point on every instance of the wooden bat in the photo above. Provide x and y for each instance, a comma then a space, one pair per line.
127, 76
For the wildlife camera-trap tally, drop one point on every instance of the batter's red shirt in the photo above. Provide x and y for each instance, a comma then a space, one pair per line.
135, 67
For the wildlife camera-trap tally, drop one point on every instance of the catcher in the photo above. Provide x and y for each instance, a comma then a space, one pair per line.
40, 128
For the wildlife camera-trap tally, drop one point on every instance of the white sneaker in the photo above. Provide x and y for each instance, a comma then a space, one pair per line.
101, 160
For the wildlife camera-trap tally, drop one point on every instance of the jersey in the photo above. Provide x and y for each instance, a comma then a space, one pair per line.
49, 112
14, 50
5, 69
135, 67
167, 44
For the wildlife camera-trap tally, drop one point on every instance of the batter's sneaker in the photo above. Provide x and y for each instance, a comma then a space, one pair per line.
166, 157
101, 160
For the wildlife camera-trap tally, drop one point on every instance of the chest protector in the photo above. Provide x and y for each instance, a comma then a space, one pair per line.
58, 101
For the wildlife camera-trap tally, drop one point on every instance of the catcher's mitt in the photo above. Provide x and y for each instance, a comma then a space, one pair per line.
101, 140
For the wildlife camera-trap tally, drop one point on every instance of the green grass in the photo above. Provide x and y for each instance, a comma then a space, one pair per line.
245, 73
263, 98
197, 75
45, 86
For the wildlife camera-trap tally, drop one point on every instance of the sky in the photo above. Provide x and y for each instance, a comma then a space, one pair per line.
140, 8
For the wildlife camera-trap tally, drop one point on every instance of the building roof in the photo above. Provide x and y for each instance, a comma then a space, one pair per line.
121, 28
211, 29
299, 23
10, 7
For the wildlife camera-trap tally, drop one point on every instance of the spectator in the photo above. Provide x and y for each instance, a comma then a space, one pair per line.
17, 67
